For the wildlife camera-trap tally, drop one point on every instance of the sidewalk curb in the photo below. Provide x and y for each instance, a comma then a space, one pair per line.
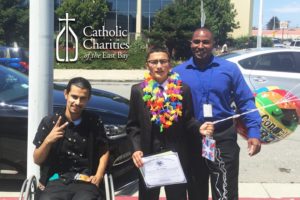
64, 75
101, 80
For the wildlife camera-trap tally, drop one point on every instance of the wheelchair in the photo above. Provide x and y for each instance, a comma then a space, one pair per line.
29, 188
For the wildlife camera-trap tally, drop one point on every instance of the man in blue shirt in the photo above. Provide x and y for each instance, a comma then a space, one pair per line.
216, 83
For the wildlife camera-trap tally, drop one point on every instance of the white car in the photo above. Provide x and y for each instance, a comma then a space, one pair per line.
269, 67
295, 44
277, 43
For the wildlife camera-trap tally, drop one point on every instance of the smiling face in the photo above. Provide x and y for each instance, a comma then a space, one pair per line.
158, 63
202, 46
76, 98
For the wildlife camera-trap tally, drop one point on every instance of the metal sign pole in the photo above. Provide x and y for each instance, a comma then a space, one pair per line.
260, 24
41, 45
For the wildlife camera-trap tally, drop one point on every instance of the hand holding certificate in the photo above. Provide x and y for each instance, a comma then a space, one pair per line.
162, 169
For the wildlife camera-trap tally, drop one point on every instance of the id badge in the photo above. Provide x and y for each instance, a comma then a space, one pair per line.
207, 110
208, 148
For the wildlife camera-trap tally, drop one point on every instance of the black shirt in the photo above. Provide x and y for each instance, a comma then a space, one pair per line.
78, 151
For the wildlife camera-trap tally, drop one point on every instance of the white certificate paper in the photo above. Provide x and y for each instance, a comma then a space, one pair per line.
162, 169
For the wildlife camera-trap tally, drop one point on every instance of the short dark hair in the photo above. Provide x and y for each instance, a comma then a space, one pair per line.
204, 28
155, 49
79, 82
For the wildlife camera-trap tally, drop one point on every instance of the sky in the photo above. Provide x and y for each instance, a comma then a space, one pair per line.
284, 10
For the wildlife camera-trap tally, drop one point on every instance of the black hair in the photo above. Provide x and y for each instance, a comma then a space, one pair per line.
155, 49
79, 82
204, 28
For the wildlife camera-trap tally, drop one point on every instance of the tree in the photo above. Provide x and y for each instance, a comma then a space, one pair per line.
174, 25
273, 24
86, 13
245, 42
14, 23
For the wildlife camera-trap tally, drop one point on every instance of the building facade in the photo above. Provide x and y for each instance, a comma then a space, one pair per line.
123, 13
282, 34
244, 16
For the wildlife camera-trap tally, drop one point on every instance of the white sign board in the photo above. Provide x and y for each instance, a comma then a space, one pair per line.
284, 25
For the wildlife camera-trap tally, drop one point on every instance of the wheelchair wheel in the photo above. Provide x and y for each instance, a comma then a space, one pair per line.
28, 189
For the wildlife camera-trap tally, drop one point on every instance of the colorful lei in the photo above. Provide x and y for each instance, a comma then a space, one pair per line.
164, 111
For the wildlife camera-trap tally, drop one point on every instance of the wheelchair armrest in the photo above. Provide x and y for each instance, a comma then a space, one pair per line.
29, 188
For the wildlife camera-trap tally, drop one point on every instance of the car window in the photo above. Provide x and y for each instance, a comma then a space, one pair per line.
13, 85
249, 63
280, 62
292, 43
287, 62
297, 44
260, 62
297, 61
3, 53
14, 52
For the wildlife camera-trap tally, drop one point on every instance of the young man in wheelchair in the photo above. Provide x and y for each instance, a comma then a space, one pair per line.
71, 148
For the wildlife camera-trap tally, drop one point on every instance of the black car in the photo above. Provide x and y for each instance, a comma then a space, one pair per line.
112, 108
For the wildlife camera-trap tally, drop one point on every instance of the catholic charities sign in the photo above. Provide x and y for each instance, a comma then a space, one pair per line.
97, 40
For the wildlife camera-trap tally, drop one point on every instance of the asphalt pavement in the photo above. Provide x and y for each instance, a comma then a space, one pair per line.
247, 190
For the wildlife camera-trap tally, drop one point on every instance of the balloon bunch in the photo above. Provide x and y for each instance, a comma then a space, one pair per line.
280, 113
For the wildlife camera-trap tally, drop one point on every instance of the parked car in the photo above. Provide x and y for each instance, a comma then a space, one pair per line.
112, 108
295, 44
14, 57
269, 67
277, 43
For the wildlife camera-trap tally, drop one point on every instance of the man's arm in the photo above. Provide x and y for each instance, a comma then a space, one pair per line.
133, 128
41, 153
245, 101
103, 161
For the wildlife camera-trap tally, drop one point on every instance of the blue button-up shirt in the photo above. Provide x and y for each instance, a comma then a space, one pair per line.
219, 84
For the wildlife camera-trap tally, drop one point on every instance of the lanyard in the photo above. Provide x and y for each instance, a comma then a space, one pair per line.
206, 85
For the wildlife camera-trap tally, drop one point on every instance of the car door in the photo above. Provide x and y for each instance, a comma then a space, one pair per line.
13, 125
13, 142
280, 69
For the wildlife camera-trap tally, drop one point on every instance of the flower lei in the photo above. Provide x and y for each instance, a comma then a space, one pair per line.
164, 111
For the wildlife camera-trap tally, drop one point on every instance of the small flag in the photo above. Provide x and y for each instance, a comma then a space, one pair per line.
208, 148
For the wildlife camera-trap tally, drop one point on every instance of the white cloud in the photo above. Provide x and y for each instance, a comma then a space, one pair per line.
293, 7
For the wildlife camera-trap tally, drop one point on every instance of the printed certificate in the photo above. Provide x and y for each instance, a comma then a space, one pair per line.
162, 169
